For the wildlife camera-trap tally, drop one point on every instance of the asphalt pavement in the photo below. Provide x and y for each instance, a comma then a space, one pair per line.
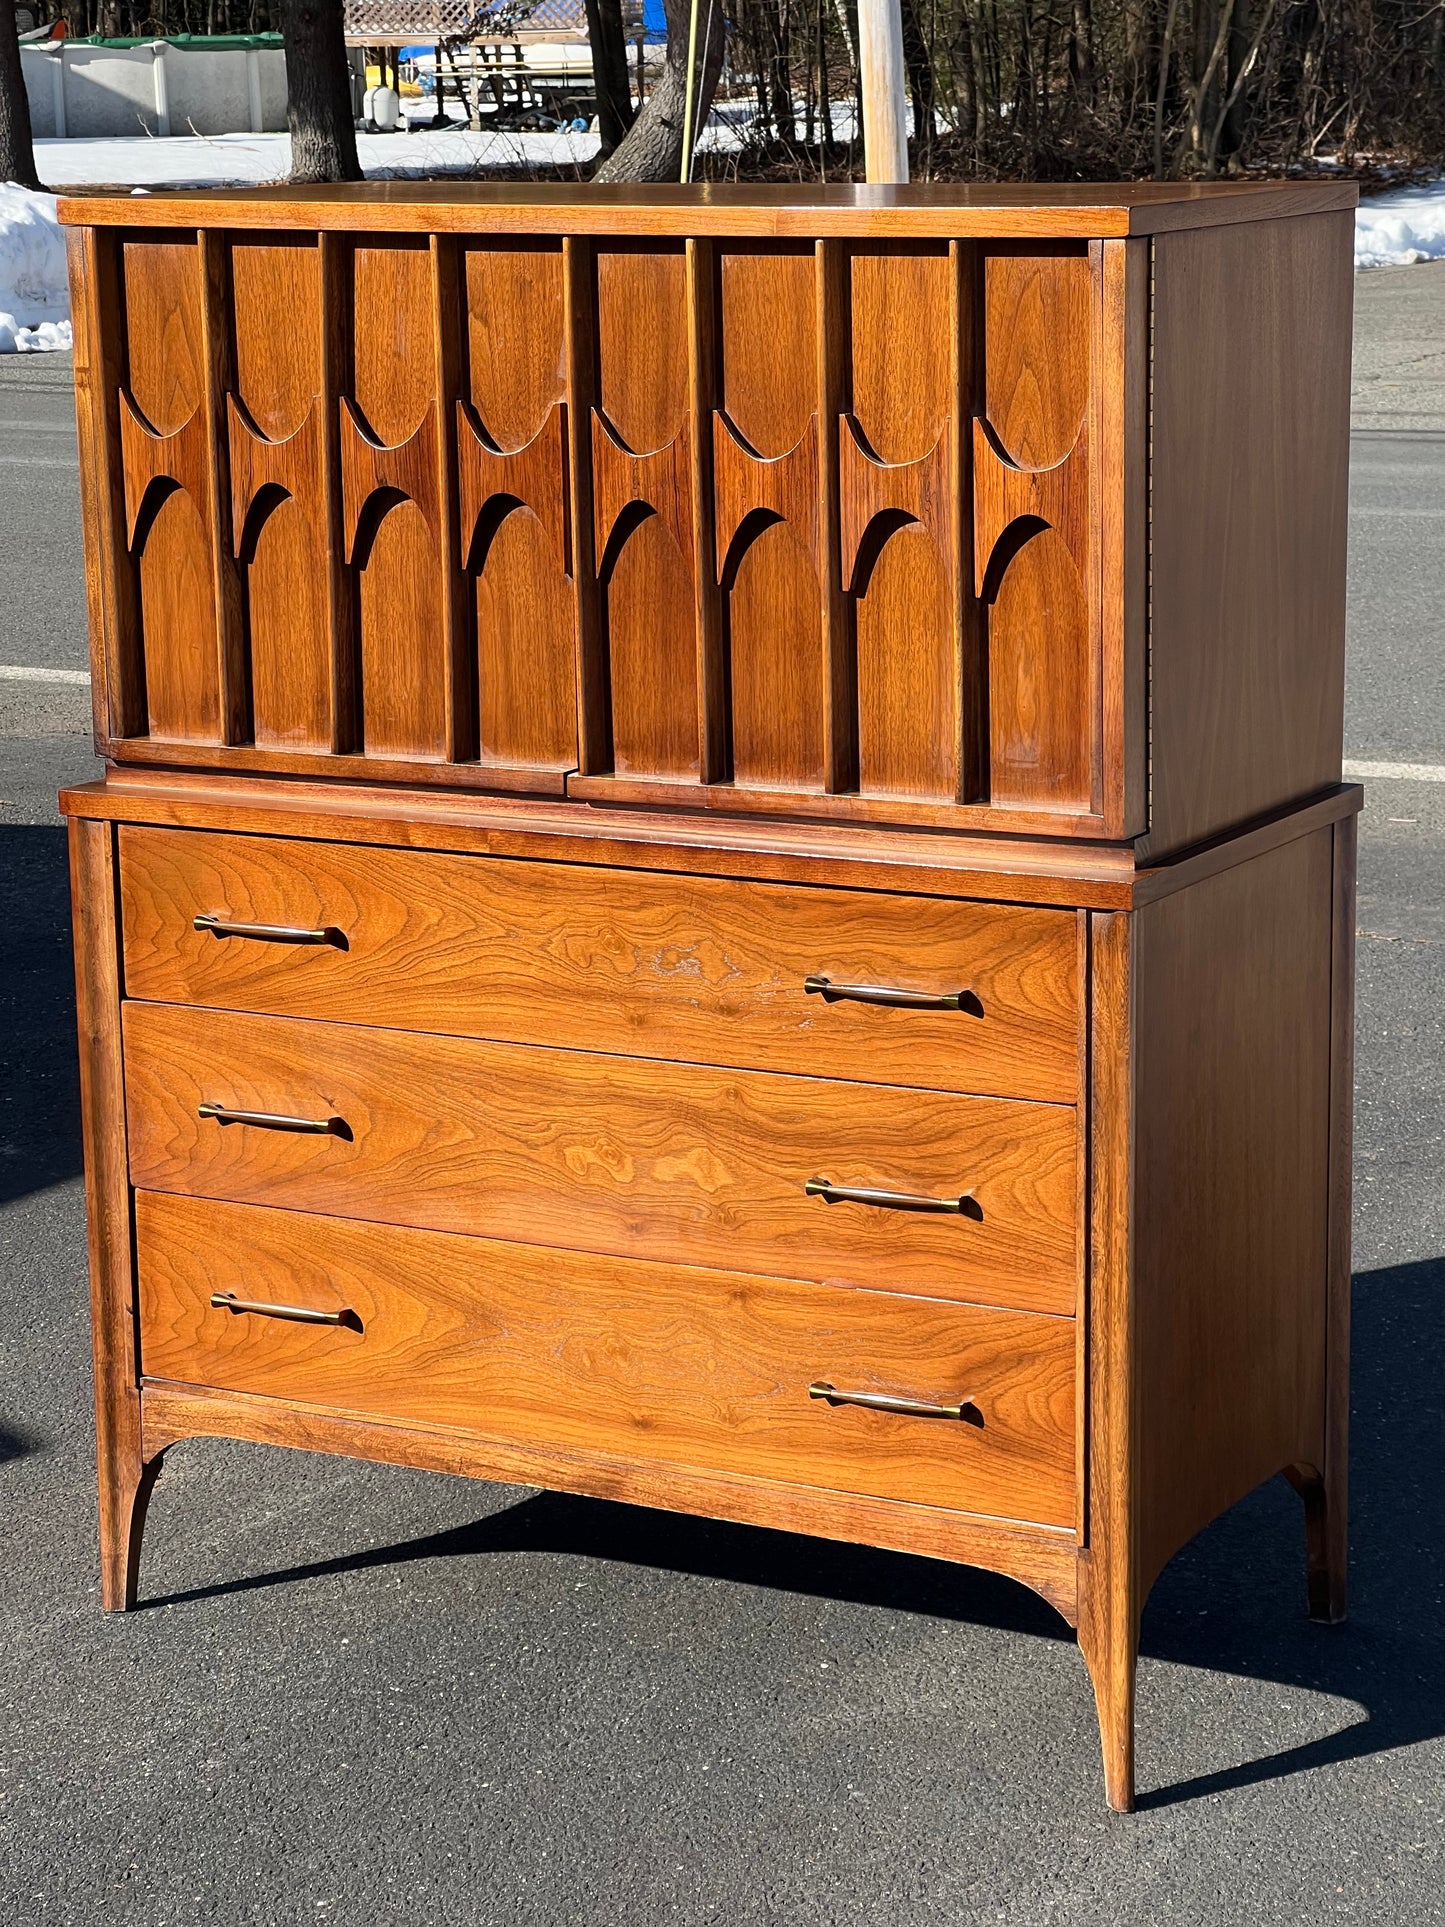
361, 1694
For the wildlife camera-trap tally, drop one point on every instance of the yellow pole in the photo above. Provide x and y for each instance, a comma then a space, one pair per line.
687, 114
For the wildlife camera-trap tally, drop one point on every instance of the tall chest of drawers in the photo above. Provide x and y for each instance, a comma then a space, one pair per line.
723, 877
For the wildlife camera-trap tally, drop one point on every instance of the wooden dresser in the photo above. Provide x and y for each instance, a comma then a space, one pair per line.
723, 878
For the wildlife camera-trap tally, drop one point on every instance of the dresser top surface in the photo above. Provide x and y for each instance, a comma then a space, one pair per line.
1074, 211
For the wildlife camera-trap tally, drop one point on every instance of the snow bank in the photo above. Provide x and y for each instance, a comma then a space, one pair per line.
34, 296
1396, 230
1391, 230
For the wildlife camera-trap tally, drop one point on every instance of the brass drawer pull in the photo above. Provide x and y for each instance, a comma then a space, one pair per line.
966, 1206
831, 993
297, 1314
886, 1402
270, 932
274, 1121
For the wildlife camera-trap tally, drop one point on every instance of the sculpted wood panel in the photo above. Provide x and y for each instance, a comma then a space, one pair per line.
686, 968
280, 522
167, 488
1032, 529
645, 516
898, 496
624, 1155
770, 560
699, 1368
414, 705
513, 496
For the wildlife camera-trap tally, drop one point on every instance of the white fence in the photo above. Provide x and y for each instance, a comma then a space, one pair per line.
154, 89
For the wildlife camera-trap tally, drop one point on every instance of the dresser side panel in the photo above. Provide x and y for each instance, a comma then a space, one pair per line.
1249, 477
1232, 1147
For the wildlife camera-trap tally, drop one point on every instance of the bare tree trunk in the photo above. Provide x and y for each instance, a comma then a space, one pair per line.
318, 81
615, 112
17, 149
919, 62
652, 150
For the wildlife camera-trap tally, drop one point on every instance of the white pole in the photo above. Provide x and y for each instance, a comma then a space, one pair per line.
158, 74
880, 75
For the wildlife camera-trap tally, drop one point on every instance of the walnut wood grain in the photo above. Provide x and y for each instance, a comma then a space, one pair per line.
126, 1471
645, 544
277, 420
899, 534
1247, 592
769, 548
989, 869
166, 464
1110, 1595
1032, 534
514, 500
416, 678
1233, 1021
1039, 1557
669, 1365
1327, 1498
919, 212
688, 969
612, 1154
117, 662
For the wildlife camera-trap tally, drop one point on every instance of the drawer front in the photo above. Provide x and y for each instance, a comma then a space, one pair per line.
693, 969
616, 1357
674, 1162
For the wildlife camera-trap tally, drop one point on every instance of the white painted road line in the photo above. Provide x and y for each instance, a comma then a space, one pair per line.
21, 672
1395, 772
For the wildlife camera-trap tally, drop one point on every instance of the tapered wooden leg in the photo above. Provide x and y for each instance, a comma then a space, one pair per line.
1109, 1641
1325, 1488
1326, 1534
125, 1494
126, 1477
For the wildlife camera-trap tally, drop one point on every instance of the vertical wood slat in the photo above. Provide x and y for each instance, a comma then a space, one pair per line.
336, 377
460, 662
766, 497
1109, 1607
392, 493
118, 695
970, 626
899, 512
513, 506
219, 372
644, 498
840, 681
1327, 1520
1118, 465
714, 732
594, 701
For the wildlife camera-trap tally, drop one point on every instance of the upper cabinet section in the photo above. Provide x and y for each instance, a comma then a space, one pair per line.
654, 510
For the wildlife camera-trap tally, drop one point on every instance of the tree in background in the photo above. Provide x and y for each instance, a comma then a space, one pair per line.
615, 112
318, 82
17, 150
652, 150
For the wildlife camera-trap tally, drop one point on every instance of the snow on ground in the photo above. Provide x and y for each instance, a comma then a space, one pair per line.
34, 299
1396, 230
1391, 230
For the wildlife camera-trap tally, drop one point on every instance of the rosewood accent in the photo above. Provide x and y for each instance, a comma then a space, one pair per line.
818, 988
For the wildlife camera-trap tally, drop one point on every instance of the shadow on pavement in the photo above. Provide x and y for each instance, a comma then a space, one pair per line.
39, 1076
1387, 1660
